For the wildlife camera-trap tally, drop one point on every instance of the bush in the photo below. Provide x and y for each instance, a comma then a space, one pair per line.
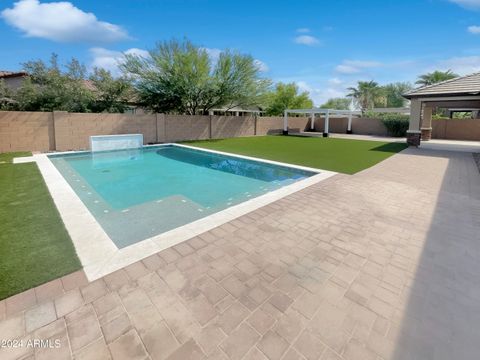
396, 124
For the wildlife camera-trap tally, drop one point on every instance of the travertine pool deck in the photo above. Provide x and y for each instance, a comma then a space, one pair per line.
383, 264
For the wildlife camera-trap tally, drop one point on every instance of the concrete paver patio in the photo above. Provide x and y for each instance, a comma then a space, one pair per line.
383, 264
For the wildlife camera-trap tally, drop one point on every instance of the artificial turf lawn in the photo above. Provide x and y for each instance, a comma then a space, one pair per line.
339, 155
34, 244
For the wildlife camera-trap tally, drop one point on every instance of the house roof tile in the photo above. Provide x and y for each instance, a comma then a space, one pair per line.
462, 85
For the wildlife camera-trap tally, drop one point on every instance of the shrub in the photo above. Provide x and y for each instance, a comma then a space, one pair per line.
396, 124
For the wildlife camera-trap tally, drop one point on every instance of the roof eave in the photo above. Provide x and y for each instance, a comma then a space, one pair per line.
415, 96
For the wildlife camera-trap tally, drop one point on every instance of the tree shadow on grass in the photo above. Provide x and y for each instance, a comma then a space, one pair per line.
390, 147
200, 141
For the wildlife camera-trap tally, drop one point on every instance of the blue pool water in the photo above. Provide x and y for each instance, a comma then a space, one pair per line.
136, 194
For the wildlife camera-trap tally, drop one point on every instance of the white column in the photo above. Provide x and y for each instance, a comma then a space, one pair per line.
312, 121
413, 132
349, 126
327, 119
415, 115
285, 122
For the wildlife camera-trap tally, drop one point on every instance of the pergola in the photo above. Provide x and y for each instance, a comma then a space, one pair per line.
320, 112
459, 94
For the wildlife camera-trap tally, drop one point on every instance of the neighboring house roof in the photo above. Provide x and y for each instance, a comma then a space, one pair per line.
239, 109
10, 74
462, 85
89, 85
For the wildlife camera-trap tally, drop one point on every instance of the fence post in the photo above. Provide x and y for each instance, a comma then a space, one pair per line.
156, 128
161, 126
56, 115
52, 144
255, 125
210, 126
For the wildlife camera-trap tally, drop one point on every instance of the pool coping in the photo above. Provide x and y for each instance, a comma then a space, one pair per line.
98, 253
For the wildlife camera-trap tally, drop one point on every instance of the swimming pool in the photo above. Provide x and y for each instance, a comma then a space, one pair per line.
136, 194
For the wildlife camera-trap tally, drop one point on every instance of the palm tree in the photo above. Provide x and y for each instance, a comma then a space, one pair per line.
367, 95
435, 77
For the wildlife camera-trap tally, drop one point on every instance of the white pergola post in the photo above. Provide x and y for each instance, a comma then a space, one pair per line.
327, 120
312, 112
349, 125
413, 132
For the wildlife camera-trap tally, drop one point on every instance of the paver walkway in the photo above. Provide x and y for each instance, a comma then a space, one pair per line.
384, 264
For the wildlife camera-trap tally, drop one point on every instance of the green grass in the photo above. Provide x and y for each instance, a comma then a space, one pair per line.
340, 155
34, 244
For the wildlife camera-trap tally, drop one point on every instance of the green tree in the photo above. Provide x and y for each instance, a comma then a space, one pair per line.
394, 94
110, 94
367, 95
435, 77
180, 77
286, 96
238, 81
28, 97
49, 88
7, 100
337, 104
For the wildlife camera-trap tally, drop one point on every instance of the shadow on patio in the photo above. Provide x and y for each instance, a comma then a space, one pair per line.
440, 316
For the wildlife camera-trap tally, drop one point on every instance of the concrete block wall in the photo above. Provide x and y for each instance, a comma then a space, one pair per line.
26, 131
185, 127
456, 129
73, 131
368, 126
335, 124
61, 131
267, 125
363, 126
232, 126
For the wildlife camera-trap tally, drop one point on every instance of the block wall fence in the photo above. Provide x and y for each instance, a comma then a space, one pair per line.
62, 131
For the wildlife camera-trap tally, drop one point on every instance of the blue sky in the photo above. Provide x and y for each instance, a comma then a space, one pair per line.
324, 46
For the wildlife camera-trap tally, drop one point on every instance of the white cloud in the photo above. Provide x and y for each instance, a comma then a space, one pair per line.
213, 54
347, 69
320, 95
60, 21
474, 29
262, 67
335, 81
138, 52
469, 4
307, 40
303, 30
460, 65
356, 66
111, 59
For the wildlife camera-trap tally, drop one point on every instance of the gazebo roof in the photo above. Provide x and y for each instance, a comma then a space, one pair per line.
462, 85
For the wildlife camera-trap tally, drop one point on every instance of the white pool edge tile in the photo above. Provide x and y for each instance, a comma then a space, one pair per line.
23, 160
97, 252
